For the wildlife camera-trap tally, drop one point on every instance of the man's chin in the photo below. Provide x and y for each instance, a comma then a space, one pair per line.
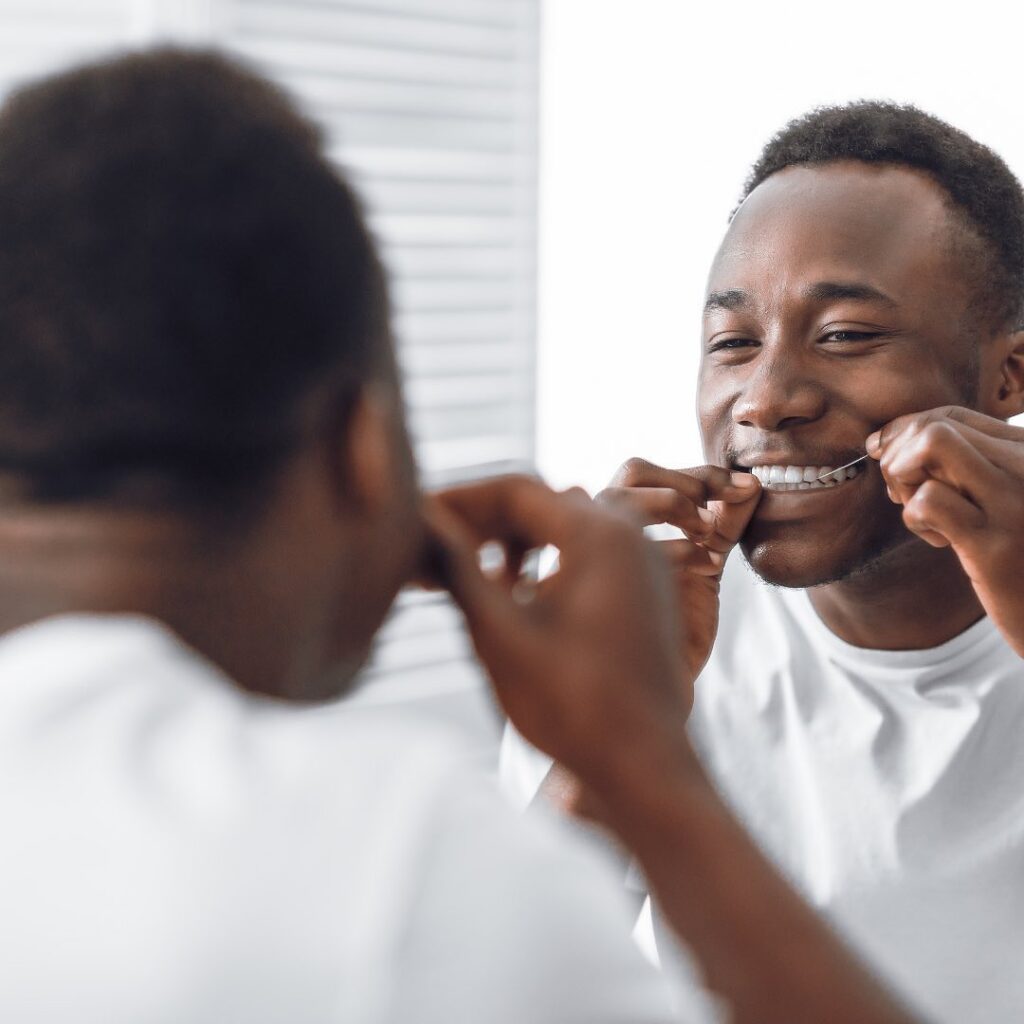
779, 570
801, 566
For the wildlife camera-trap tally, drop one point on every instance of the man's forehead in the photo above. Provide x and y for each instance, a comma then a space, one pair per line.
843, 222
819, 291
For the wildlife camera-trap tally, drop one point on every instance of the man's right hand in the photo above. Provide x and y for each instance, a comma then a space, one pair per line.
588, 668
585, 663
712, 507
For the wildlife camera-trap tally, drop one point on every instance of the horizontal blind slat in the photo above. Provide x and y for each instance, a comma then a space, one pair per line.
295, 19
377, 62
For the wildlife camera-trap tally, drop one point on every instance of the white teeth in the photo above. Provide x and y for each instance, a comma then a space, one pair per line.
802, 478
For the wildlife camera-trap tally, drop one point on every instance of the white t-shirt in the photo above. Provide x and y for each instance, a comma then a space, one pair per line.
887, 785
174, 850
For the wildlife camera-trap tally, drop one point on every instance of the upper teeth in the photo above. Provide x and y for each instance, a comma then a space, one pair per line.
806, 475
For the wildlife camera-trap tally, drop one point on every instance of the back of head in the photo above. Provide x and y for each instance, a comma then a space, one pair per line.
180, 267
983, 193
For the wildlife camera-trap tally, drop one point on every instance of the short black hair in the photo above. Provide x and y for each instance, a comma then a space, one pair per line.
180, 266
982, 190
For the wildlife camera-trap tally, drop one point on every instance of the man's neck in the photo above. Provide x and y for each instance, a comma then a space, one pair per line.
226, 603
914, 597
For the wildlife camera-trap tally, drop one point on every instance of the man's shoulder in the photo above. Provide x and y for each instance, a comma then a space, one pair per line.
126, 689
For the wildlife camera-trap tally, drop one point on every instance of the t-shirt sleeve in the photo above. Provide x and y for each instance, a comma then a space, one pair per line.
516, 920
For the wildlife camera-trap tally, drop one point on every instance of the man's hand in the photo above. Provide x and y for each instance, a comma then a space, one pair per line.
586, 663
712, 507
959, 476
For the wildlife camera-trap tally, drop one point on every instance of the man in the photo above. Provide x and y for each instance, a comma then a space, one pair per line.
207, 504
864, 715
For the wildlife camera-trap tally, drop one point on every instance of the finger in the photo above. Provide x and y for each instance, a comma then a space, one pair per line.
1002, 452
946, 452
652, 505
941, 515
495, 620
517, 509
732, 519
726, 485
684, 555
914, 422
700, 483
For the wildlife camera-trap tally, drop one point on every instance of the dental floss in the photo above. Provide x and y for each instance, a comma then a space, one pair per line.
839, 469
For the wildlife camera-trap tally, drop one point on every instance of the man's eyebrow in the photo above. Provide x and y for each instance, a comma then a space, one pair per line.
732, 298
826, 291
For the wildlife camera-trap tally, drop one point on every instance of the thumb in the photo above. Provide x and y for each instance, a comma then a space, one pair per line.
732, 517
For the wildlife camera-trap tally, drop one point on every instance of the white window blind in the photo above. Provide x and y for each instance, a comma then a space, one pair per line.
37, 36
431, 108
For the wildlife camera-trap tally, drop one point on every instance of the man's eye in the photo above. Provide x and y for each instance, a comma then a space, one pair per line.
730, 343
849, 336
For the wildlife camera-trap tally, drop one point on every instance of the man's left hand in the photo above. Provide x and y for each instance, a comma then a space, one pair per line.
959, 476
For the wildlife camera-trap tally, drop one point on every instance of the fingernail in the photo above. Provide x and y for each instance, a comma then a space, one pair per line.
746, 481
874, 443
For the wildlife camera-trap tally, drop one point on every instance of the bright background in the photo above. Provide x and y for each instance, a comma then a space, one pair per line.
652, 112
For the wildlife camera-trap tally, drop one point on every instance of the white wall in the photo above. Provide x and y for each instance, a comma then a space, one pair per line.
652, 112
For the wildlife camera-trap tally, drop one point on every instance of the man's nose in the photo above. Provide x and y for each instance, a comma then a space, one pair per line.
779, 394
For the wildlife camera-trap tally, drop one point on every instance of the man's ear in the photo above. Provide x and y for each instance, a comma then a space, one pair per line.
368, 449
1010, 394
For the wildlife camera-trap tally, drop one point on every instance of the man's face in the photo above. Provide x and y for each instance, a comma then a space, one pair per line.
835, 304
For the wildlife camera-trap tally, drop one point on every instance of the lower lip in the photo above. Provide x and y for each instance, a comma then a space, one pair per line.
785, 501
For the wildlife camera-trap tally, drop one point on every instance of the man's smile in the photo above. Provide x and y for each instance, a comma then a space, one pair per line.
791, 486
786, 477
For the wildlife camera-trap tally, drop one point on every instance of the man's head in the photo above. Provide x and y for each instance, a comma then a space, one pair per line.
875, 267
190, 303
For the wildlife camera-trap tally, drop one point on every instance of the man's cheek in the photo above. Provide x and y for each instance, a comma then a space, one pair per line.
715, 421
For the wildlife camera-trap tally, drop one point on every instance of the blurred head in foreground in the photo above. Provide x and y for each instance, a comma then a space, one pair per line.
199, 409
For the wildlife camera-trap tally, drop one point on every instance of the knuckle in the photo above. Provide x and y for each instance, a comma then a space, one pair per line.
632, 471
577, 493
918, 516
928, 501
893, 428
935, 437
